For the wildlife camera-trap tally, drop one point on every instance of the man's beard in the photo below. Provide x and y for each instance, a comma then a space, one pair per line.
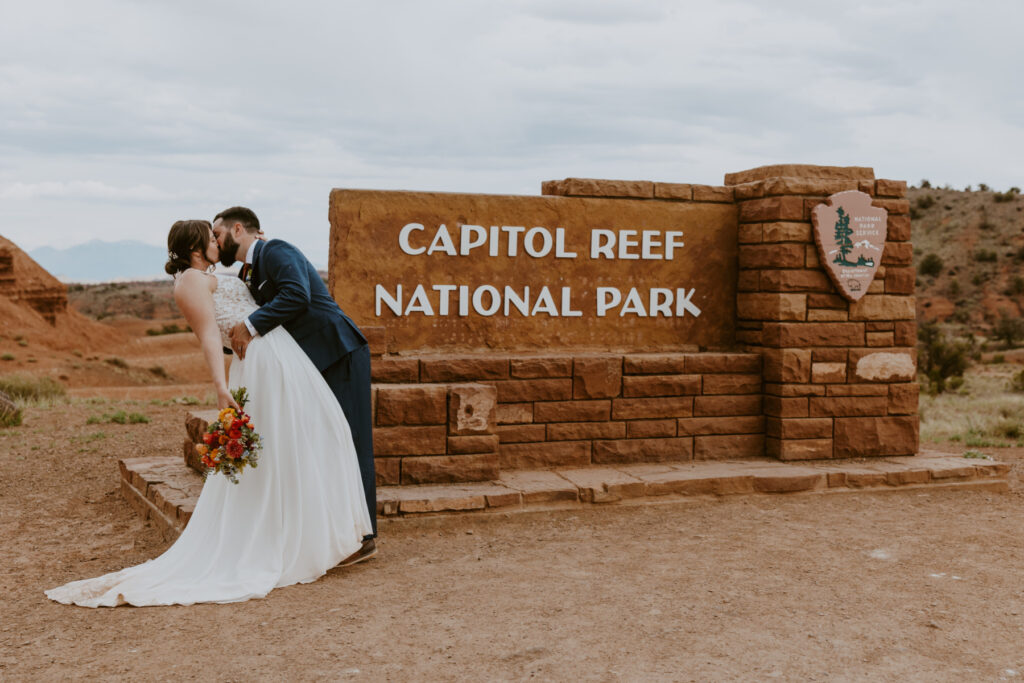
229, 252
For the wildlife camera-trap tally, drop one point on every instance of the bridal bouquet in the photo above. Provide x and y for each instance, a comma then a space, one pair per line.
230, 444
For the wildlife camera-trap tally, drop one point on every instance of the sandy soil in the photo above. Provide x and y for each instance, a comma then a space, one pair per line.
893, 586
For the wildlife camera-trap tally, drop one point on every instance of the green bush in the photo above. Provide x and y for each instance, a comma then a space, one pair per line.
168, 329
7, 356
159, 371
925, 184
925, 202
985, 256
117, 363
930, 265
942, 363
29, 388
1009, 330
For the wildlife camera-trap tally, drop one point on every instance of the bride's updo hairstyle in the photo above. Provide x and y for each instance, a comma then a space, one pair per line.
184, 238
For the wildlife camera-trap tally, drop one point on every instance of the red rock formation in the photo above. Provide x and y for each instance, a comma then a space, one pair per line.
22, 280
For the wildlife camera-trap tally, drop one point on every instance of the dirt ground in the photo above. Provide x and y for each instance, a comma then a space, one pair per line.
891, 586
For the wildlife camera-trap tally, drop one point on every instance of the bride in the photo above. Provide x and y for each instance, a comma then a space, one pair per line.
299, 513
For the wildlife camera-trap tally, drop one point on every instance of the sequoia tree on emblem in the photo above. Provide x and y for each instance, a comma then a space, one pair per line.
850, 234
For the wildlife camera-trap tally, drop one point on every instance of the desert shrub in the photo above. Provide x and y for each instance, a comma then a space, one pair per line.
167, 329
159, 371
1009, 429
985, 256
1017, 383
930, 265
925, 202
1000, 197
1016, 287
117, 362
954, 288
925, 184
10, 414
982, 187
7, 356
27, 388
941, 362
978, 279
1009, 330
997, 359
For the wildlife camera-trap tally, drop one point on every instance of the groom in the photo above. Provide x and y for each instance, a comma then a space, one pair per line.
290, 292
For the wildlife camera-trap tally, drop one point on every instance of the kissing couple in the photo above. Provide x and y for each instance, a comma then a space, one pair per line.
311, 503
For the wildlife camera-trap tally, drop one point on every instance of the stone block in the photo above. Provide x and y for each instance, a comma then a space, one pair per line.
539, 368
597, 377
521, 433
731, 384
787, 365
712, 363
728, 446
903, 398
771, 209
813, 334
197, 422
438, 469
594, 187
438, 499
410, 440
643, 450
710, 193
750, 233
654, 364
521, 390
825, 301
466, 368
387, 471
899, 281
540, 486
898, 228
703, 426
811, 259
798, 449
721, 406
893, 206
191, 456
883, 366
883, 307
789, 479
847, 406
745, 191
677, 191
777, 406
376, 338
748, 281
647, 429
798, 428
572, 411
660, 385
798, 280
891, 188
786, 231
787, 185
771, 306
412, 404
905, 333
858, 390
830, 355
583, 431
480, 443
828, 373
864, 437
525, 456
879, 326
880, 338
801, 171
794, 390
650, 408
514, 413
771, 256
707, 479
472, 409
386, 369
827, 315
604, 485
898, 254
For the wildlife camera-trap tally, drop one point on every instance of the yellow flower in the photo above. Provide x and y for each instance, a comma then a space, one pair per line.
202, 449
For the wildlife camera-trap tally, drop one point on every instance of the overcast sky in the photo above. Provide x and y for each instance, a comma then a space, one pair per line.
117, 118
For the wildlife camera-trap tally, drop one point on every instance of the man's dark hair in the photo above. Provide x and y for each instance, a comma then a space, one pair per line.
239, 214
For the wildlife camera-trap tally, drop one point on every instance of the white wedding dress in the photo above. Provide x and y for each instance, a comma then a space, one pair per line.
295, 516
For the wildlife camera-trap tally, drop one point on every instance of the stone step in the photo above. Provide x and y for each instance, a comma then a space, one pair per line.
164, 490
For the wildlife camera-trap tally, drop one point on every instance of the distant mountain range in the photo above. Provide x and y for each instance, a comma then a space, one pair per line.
99, 261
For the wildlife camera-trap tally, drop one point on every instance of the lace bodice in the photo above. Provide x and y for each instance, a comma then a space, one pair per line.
232, 303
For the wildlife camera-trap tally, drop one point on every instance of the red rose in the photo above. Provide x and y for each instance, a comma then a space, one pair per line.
235, 433
209, 438
235, 449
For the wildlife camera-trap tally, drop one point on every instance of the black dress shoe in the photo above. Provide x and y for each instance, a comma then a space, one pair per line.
368, 550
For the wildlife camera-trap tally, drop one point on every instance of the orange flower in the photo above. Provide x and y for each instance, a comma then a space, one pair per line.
223, 439
202, 449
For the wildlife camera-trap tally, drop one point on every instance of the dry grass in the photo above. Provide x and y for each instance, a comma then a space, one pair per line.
983, 413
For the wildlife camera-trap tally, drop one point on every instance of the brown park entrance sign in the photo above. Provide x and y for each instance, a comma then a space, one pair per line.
466, 272
850, 234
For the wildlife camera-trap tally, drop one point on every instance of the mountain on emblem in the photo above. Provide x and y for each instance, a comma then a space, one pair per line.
850, 234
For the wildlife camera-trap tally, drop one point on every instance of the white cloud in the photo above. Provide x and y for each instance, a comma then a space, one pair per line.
82, 189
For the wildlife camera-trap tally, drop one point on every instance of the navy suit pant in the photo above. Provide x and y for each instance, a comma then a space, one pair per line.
349, 379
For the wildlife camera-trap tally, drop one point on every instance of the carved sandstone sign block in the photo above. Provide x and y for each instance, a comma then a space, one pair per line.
446, 272
850, 234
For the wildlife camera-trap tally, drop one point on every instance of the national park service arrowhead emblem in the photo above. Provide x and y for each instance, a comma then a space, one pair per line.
850, 234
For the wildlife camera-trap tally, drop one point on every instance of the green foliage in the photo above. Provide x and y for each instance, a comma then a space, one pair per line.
985, 256
22, 342
978, 279
1017, 383
1009, 330
7, 356
976, 455
925, 202
117, 363
982, 187
27, 388
954, 288
925, 184
931, 264
941, 362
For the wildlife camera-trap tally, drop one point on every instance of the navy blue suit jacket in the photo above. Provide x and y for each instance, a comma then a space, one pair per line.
290, 293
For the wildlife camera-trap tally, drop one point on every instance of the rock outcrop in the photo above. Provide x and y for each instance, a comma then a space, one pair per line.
22, 280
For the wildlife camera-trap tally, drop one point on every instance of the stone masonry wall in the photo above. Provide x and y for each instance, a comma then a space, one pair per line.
467, 418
